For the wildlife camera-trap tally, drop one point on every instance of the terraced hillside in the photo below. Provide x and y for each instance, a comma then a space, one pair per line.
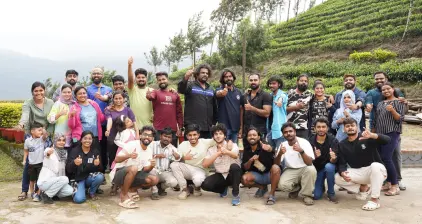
347, 25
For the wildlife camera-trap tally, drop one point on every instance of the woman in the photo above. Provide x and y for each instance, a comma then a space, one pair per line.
84, 164
35, 109
388, 120
85, 115
116, 111
52, 180
321, 105
347, 99
59, 114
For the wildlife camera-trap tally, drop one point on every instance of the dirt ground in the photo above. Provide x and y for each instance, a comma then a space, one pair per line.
209, 208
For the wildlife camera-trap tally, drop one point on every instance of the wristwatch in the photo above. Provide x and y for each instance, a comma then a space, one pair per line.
303, 151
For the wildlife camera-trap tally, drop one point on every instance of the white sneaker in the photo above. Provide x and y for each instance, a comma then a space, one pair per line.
183, 195
402, 186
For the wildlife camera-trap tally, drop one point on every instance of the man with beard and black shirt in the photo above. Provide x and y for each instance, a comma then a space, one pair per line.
200, 102
256, 106
140, 105
373, 97
325, 148
97, 92
71, 79
229, 100
360, 164
350, 84
167, 108
298, 106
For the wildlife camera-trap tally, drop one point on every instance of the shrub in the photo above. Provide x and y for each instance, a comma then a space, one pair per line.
177, 75
10, 113
382, 55
361, 56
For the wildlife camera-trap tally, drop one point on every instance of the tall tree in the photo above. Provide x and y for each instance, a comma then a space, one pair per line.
168, 57
154, 58
177, 47
196, 36
296, 8
266, 8
288, 10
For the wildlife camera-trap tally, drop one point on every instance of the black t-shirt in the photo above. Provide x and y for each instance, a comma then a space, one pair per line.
82, 171
266, 158
251, 119
330, 143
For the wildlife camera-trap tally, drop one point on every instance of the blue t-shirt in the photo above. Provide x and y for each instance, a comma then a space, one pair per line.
229, 109
104, 90
89, 119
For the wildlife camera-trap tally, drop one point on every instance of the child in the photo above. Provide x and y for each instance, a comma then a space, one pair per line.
125, 133
347, 99
34, 151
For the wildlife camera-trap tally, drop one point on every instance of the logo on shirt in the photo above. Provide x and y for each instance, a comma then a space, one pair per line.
168, 99
363, 146
238, 97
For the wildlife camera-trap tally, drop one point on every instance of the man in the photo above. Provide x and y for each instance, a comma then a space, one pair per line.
350, 84
118, 85
256, 106
164, 153
325, 148
298, 106
167, 108
200, 103
258, 163
71, 79
140, 105
227, 166
359, 152
278, 114
299, 174
132, 170
97, 92
372, 99
229, 100
190, 166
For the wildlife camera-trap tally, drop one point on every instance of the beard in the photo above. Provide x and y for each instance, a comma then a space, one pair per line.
349, 86
302, 87
379, 85
71, 82
96, 81
163, 86
252, 142
141, 85
254, 86
146, 142
351, 133
229, 82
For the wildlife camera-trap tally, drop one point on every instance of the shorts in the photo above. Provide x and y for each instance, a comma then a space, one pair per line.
34, 171
119, 177
261, 178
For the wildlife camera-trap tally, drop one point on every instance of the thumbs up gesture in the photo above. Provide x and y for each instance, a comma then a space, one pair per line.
78, 161
333, 155
265, 147
248, 106
317, 152
97, 161
188, 156
50, 151
296, 147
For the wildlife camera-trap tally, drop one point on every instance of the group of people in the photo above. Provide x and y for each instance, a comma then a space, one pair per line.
292, 141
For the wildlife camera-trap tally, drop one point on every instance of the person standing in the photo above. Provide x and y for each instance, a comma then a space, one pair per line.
321, 105
298, 106
71, 79
230, 100
118, 85
167, 108
200, 101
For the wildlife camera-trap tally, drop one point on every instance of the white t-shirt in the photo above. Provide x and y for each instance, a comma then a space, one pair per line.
35, 147
198, 152
292, 158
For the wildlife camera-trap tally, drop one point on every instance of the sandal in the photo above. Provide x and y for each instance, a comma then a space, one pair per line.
23, 196
308, 201
271, 200
134, 196
128, 204
393, 192
371, 206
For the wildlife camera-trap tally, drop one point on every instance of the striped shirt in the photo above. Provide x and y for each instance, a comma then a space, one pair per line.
163, 164
384, 121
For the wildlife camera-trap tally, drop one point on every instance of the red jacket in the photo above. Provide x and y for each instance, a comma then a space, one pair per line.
75, 124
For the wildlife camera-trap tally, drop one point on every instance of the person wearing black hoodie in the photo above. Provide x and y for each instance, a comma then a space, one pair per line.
325, 148
84, 164
359, 151
200, 100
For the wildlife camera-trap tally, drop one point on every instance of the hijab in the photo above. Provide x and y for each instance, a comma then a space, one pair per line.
343, 105
61, 152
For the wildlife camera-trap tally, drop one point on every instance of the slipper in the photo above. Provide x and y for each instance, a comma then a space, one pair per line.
392, 192
371, 206
23, 196
128, 204
271, 200
134, 196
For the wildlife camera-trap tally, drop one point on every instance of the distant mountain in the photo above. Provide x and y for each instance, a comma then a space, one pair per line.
18, 71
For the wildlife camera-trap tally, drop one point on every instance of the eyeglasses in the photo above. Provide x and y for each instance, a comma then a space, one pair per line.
96, 73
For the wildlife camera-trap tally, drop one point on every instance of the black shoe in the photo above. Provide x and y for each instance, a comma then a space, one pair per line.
191, 188
55, 198
46, 199
333, 199
161, 191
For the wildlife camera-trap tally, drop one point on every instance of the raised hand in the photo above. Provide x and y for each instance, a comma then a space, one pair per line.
248, 106
366, 135
130, 61
188, 74
97, 161
297, 147
333, 155
78, 161
317, 152
50, 151
265, 147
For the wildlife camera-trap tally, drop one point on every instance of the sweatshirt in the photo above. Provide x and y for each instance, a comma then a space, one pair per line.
82, 171
330, 142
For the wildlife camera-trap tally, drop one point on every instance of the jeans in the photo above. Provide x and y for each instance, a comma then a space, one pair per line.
387, 151
232, 135
216, 182
328, 172
93, 183
397, 160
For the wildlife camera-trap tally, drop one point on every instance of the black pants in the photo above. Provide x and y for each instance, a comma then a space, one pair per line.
174, 139
103, 149
112, 150
216, 182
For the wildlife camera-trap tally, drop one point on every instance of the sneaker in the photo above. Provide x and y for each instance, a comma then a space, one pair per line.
236, 201
183, 195
333, 199
36, 198
46, 199
224, 194
155, 196
197, 191
402, 186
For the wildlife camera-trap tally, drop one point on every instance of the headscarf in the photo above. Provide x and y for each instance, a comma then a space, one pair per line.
61, 152
69, 102
343, 105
